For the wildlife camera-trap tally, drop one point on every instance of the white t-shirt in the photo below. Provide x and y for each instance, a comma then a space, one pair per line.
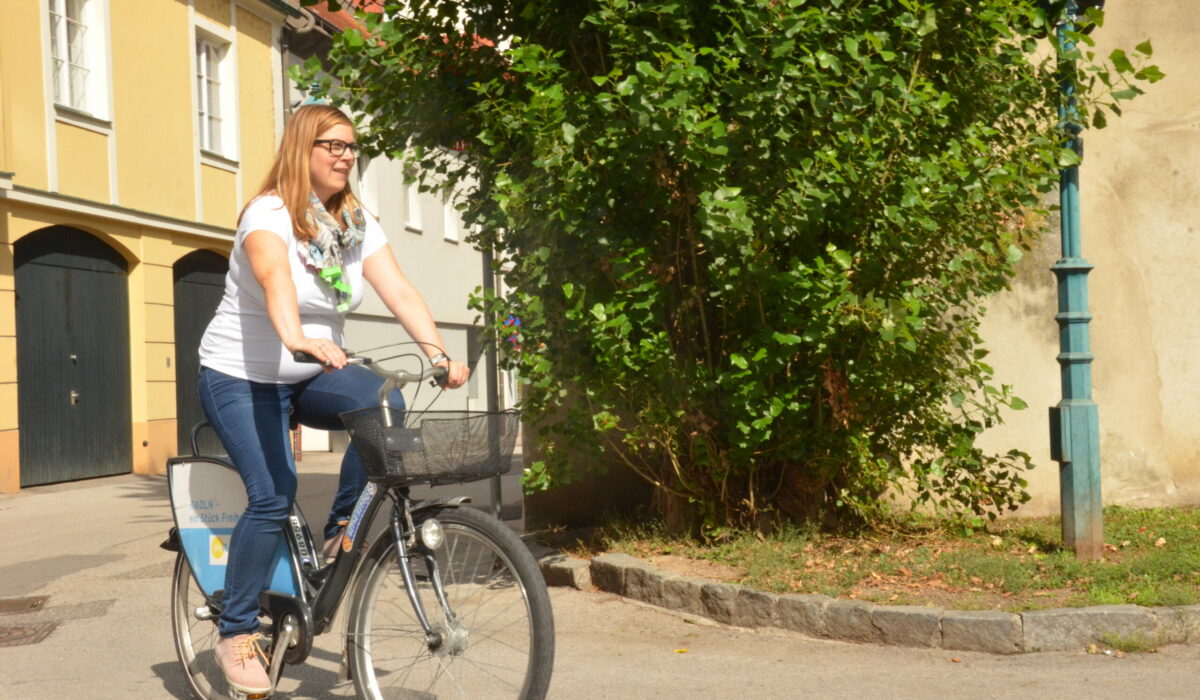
241, 340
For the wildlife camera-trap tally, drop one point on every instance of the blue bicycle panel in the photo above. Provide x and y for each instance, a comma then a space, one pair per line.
207, 499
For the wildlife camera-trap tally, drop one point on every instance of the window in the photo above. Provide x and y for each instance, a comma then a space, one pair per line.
209, 57
78, 64
412, 209
68, 52
368, 184
450, 223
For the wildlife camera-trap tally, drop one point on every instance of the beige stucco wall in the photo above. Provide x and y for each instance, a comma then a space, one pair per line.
1140, 187
153, 116
22, 120
258, 107
145, 161
219, 187
82, 162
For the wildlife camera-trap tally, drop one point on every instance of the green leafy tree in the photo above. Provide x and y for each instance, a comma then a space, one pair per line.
748, 241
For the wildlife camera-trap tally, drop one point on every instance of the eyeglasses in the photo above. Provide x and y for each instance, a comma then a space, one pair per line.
337, 147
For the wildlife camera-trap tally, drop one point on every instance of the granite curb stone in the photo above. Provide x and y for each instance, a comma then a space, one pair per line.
908, 626
803, 613
1179, 624
993, 631
1072, 628
820, 616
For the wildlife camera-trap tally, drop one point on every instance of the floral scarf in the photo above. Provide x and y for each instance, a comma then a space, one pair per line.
323, 254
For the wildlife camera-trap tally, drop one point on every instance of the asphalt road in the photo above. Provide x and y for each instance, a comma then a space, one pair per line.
92, 548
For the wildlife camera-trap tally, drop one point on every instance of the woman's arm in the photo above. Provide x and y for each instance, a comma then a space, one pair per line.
269, 263
383, 273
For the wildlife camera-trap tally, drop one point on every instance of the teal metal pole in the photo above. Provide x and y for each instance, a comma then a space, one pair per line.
1075, 421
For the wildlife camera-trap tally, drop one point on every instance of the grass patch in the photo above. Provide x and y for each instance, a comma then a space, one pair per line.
1152, 557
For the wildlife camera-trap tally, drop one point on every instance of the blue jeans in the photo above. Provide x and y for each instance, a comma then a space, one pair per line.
251, 419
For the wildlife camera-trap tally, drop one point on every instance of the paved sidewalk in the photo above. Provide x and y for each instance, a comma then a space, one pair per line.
822, 617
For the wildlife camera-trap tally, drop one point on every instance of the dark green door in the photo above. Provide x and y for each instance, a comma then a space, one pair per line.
72, 357
199, 284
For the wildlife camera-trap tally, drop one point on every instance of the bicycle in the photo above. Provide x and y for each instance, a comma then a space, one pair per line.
445, 601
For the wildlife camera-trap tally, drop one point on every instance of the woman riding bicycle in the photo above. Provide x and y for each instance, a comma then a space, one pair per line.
304, 247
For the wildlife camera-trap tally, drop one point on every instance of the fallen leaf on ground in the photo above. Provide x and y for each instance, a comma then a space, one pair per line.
955, 660
1160, 542
1110, 547
681, 651
1093, 649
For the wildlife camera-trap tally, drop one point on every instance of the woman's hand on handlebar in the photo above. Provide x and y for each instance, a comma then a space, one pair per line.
327, 351
458, 373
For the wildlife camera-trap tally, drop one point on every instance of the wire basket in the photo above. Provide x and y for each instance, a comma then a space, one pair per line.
434, 447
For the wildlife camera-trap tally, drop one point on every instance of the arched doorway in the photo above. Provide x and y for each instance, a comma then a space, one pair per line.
199, 284
72, 306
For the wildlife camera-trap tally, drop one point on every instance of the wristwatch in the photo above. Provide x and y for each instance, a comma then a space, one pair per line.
440, 357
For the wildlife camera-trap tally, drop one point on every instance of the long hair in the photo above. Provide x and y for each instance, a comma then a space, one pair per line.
289, 174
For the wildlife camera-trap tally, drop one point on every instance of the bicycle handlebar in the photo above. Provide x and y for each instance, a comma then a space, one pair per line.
400, 377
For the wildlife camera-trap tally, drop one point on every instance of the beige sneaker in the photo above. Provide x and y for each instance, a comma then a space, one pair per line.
242, 661
330, 549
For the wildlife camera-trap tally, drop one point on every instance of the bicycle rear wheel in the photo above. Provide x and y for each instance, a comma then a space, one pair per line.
195, 633
500, 643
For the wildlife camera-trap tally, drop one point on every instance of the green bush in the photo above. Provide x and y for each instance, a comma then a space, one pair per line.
748, 241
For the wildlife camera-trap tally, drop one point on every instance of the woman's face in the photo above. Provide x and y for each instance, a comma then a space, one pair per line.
328, 174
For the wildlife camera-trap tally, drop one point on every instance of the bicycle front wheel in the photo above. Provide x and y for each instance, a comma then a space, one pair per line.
494, 638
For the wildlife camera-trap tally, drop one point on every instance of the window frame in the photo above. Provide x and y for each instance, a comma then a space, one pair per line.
225, 153
213, 62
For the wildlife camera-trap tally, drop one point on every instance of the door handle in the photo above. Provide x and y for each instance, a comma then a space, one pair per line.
74, 397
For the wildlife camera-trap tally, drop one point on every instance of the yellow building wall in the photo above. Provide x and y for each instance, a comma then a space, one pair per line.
23, 103
256, 85
153, 114
219, 196
82, 162
8, 335
216, 10
157, 170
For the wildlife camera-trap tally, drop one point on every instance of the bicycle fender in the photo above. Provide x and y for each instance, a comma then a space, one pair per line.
439, 502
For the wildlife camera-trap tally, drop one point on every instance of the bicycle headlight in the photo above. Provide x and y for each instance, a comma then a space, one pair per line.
431, 534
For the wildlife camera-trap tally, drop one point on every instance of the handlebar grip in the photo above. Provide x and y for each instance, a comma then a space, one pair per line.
439, 375
351, 358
